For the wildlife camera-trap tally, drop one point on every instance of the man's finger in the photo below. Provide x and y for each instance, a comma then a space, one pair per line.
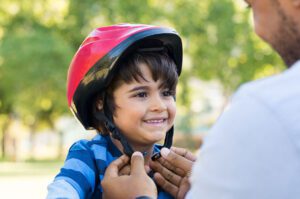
184, 188
171, 167
165, 185
137, 164
167, 174
125, 170
177, 160
185, 153
113, 169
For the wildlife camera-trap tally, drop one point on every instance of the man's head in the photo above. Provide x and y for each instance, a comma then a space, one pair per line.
278, 23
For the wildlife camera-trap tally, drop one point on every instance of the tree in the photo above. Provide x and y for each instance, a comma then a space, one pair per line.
38, 39
34, 68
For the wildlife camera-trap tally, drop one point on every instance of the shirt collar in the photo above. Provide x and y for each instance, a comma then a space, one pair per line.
295, 66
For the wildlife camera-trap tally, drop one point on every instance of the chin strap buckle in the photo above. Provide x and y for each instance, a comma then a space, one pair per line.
155, 156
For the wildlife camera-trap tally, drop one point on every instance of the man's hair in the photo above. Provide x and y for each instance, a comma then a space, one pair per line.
161, 66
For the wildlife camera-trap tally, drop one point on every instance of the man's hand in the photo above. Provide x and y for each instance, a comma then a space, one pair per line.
138, 183
173, 170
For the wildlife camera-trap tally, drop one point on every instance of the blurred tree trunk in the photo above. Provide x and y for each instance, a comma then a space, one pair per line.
4, 128
32, 132
3, 138
60, 154
60, 146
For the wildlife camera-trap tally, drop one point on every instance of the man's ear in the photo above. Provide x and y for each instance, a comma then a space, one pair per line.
296, 3
99, 104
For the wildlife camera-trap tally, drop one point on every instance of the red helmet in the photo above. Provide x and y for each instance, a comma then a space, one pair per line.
92, 66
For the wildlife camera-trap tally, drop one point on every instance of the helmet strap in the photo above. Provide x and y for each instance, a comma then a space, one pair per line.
119, 136
106, 116
168, 143
169, 138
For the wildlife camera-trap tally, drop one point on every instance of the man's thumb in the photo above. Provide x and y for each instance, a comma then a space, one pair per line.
137, 163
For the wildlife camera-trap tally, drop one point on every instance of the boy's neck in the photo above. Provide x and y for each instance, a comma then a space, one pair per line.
144, 149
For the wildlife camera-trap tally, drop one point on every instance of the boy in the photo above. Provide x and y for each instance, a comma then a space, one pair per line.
121, 82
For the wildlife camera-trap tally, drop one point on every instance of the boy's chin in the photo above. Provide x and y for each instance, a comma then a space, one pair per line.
156, 137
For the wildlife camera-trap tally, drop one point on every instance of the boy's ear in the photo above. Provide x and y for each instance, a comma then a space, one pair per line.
99, 105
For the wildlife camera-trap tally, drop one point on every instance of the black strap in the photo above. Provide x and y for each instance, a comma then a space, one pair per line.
168, 143
119, 136
143, 197
107, 115
169, 138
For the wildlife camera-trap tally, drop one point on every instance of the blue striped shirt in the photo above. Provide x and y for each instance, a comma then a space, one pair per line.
84, 169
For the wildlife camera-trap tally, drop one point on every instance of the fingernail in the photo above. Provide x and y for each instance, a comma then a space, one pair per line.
137, 153
164, 152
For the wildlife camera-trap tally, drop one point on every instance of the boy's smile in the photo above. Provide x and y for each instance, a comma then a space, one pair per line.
145, 110
156, 123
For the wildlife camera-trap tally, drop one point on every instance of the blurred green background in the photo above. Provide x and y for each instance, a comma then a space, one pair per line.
39, 37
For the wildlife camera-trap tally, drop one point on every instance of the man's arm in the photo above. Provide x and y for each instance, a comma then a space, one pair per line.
244, 154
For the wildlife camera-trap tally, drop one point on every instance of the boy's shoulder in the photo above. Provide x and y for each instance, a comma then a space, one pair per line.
95, 148
99, 149
84, 144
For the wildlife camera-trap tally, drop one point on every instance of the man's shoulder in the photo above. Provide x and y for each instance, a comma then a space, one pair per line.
279, 94
274, 90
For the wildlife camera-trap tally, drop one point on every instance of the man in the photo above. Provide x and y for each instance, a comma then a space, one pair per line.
253, 151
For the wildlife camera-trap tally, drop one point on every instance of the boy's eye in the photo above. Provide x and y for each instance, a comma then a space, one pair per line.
141, 94
167, 93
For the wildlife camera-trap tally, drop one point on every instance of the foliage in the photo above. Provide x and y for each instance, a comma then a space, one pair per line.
38, 39
34, 67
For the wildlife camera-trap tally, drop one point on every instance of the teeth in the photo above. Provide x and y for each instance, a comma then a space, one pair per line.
155, 121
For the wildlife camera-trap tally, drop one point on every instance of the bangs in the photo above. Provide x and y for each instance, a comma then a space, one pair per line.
161, 66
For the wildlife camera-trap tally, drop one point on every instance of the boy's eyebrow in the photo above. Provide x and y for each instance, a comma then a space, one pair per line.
138, 88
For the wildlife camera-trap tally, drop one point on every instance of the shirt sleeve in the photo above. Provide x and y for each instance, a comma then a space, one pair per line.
77, 177
245, 155
62, 189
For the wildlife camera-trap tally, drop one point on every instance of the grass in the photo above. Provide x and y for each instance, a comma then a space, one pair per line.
33, 168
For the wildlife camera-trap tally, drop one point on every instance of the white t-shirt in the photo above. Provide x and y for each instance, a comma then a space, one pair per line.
253, 150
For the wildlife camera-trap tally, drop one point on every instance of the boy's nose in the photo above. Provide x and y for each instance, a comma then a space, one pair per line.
157, 104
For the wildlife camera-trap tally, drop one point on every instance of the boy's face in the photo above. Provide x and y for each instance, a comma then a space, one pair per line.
144, 111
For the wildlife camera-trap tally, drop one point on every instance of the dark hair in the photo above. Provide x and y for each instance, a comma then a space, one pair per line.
162, 67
